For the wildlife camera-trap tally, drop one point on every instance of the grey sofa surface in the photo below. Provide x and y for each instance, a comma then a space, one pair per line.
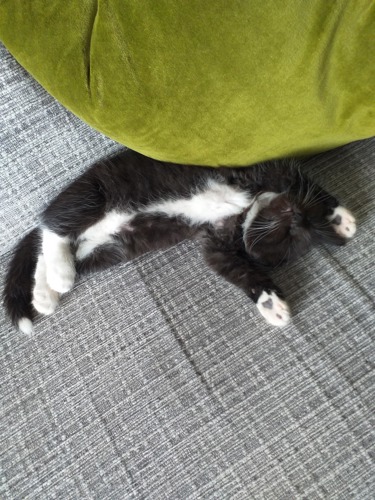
158, 380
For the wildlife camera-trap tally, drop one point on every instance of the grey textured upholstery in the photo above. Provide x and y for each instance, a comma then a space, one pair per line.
157, 380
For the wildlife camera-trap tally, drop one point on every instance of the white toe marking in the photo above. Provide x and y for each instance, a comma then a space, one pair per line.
59, 262
26, 326
45, 299
273, 309
343, 222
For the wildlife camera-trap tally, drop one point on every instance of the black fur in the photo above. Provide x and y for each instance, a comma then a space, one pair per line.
280, 233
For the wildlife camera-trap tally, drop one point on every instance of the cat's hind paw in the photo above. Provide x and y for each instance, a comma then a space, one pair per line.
45, 300
343, 222
60, 277
274, 310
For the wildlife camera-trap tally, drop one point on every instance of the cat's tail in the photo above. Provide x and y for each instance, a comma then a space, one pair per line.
17, 294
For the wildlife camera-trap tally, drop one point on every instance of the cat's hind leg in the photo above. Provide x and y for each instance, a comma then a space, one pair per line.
75, 209
44, 299
103, 232
58, 261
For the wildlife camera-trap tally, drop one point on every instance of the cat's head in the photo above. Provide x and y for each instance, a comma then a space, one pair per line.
279, 228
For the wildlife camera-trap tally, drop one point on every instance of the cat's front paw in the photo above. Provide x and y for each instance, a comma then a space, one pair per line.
275, 310
343, 222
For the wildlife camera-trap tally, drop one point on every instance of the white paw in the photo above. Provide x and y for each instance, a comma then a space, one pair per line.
60, 276
273, 309
343, 222
58, 261
45, 300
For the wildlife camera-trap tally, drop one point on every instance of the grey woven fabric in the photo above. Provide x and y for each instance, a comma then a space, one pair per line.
157, 380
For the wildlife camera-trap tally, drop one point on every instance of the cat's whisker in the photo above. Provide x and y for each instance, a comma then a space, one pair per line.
313, 192
257, 239
261, 236
282, 260
258, 225
260, 229
301, 179
308, 193
318, 198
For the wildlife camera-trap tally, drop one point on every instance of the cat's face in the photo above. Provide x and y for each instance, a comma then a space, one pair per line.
287, 228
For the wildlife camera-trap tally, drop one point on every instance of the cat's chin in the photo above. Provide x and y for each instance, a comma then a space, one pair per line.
273, 309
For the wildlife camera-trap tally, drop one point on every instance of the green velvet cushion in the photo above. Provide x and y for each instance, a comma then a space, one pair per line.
208, 82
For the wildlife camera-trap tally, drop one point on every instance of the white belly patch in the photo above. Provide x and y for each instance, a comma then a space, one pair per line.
218, 201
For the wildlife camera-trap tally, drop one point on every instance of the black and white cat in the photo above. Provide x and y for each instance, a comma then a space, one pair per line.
249, 221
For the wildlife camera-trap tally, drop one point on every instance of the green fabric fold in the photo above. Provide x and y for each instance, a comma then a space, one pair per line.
209, 83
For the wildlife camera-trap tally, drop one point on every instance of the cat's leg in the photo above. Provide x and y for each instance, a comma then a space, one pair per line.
60, 266
102, 232
58, 261
75, 209
44, 299
238, 270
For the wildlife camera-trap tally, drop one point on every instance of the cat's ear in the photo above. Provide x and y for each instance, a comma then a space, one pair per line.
328, 235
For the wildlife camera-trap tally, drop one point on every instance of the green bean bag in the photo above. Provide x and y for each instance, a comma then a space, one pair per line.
213, 82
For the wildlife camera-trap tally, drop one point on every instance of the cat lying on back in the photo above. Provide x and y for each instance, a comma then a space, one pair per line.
249, 221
